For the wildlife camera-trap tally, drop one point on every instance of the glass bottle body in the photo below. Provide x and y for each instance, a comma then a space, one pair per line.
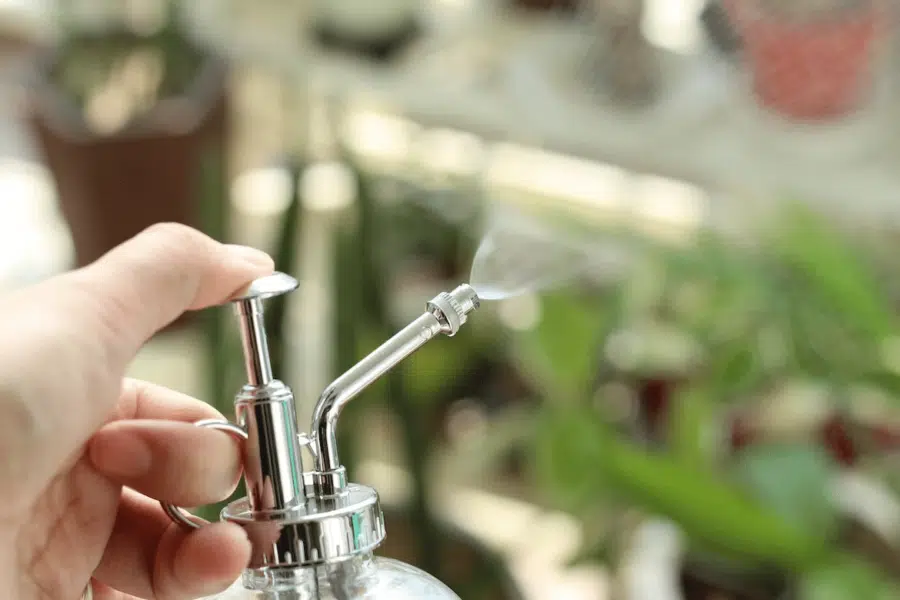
363, 577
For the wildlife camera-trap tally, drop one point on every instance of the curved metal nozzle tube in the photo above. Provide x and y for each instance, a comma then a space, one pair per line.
445, 313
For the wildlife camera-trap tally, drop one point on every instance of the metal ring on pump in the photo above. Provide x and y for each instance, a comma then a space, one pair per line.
181, 516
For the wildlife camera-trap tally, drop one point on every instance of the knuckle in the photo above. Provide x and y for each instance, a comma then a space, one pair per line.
109, 312
171, 249
176, 240
130, 395
175, 233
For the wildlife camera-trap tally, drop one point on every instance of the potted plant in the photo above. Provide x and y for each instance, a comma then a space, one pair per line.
810, 59
128, 116
801, 507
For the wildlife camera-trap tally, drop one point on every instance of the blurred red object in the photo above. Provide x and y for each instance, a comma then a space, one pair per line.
654, 397
838, 441
742, 434
809, 68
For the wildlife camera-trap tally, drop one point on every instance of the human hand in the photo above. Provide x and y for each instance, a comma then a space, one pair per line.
87, 455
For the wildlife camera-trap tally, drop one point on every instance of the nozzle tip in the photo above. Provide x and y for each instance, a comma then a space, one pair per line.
466, 297
452, 308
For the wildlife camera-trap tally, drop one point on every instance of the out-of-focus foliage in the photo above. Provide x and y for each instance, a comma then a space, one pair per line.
803, 305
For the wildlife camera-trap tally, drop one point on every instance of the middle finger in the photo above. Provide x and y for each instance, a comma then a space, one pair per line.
168, 460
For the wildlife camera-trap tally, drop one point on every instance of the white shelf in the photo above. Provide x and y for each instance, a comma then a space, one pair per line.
499, 76
503, 77
510, 85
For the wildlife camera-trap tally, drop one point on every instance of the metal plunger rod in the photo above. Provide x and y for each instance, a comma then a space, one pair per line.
446, 313
273, 470
253, 339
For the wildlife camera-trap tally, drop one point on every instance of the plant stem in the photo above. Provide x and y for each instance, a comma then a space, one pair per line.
285, 261
348, 319
418, 454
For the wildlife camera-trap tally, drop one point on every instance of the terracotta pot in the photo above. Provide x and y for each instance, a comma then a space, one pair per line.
111, 187
808, 68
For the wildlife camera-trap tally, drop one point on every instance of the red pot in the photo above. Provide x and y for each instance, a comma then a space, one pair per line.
808, 69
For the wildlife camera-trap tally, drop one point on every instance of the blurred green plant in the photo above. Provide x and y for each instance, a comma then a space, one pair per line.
802, 305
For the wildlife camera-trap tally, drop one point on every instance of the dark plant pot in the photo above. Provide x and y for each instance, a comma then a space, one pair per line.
809, 68
111, 187
469, 568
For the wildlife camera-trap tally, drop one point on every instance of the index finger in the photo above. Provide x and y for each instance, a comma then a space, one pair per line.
146, 283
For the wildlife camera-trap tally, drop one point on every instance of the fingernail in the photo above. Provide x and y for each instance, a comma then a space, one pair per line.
255, 257
120, 455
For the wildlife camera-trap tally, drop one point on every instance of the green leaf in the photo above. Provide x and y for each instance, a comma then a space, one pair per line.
825, 344
793, 480
835, 273
692, 423
847, 579
736, 368
561, 352
566, 448
580, 461
886, 381
706, 508
432, 367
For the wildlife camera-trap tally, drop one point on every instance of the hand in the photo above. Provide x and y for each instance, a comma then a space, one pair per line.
86, 455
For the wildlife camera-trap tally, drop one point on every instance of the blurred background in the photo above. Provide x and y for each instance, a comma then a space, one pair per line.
684, 382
